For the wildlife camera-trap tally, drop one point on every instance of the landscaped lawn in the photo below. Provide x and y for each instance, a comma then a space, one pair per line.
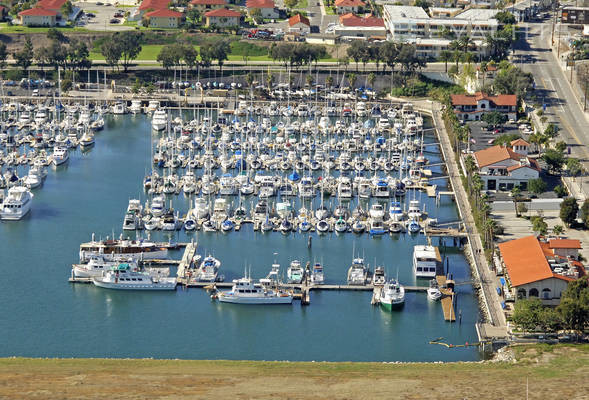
301, 4
5, 28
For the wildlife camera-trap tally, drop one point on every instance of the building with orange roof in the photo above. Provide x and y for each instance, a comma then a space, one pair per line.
501, 168
207, 5
164, 18
471, 107
348, 6
565, 247
45, 13
534, 271
356, 26
267, 8
223, 17
299, 23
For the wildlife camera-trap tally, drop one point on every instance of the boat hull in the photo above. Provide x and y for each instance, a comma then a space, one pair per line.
392, 305
229, 298
168, 285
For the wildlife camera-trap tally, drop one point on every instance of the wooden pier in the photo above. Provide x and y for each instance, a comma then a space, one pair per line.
446, 287
185, 262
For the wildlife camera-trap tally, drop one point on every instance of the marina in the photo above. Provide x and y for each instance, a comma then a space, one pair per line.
248, 246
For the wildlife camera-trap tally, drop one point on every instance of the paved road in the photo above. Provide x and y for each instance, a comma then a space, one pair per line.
551, 82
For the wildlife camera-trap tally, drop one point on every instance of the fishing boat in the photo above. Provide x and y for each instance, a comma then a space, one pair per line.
208, 270
317, 276
123, 277
60, 155
357, 273
98, 264
17, 203
392, 295
426, 259
433, 292
295, 272
245, 291
413, 226
379, 277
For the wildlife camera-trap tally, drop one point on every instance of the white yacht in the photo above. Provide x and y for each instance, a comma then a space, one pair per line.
60, 155
152, 106
144, 249
119, 108
379, 276
135, 107
34, 178
433, 292
201, 208
395, 211
245, 291
97, 265
208, 270
123, 277
426, 259
376, 212
414, 210
16, 204
392, 295
295, 272
158, 206
357, 273
159, 120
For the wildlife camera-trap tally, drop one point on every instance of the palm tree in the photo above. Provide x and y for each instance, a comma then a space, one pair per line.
516, 194
329, 81
465, 43
352, 80
309, 80
457, 55
371, 78
445, 56
558, 230
483, 68
269, 81
249, 79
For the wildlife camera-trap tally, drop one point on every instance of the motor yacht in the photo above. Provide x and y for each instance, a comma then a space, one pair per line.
17, 203
123, 277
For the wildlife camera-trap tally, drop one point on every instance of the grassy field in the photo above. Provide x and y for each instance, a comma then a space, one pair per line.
554, 370
5, 28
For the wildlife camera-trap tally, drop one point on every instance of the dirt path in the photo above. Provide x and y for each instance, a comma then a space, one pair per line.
548, 370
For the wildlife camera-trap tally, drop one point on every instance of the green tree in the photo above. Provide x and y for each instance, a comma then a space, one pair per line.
290, 3
526, 314
494, 118
539, 225
445, 56
506, 139
513, 81
551, 130
505, 18
170, 55
560, 191
569, 210
193, 17
574, 304
189, 55
554, 160
352, 80
329, 81
371, 78
112, 52
3, 55
558, 230
130, 43
574, 167
24, 57
221, 52
537, 186
256, 15
56, 35
67, 8
516, 193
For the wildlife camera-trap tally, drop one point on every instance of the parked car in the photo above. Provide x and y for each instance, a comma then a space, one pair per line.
36, 93
114, 21
9, 93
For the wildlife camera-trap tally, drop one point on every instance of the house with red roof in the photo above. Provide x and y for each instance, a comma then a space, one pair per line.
207, 5
471, 107
164, 18
267, 8
357, 26
300, 24
223, 17
534, 270
502, 168
147, 6
348, 6
45, 13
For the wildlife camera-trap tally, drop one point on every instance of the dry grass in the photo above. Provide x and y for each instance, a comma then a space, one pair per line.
558, 371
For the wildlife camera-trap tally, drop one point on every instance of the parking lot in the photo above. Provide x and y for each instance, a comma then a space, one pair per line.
482, 136
97, 16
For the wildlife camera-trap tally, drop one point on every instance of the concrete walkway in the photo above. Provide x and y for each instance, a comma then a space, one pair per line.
487, 277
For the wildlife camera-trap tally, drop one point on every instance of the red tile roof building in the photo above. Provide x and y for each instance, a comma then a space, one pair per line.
471, 107
267, 8
536, 272
45, 13
351, 20
348, 6
205, 5
222, 17
300, 24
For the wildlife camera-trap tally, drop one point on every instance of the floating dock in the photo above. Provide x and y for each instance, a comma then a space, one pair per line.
447, 298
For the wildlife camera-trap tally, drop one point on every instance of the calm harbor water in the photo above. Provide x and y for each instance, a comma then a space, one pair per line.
44, 315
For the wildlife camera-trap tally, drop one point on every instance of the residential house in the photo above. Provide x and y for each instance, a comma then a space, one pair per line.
520, 146
501, 168
348, 6
164, 18
223, 18
149, 6
471, 107
355, 26
534, 270
267, 8
38, 17
300, 24
207, 5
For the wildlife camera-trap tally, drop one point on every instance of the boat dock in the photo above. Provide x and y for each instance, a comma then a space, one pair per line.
184, 264
302, 287
447, 289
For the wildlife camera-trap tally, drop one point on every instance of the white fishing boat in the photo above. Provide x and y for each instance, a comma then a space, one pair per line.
158, 206
135, 107
60, 155
17, 203
123, 277
209, 268
159, 120
357, 273
392, 295
426, 259
97, 265
317, 276
376, 212
245, 291
201, 208
119, 108
379, 277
